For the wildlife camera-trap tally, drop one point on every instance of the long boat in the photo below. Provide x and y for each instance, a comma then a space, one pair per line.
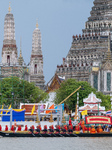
22, 134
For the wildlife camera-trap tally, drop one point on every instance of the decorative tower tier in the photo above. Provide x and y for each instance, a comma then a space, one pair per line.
36, 61
9, 50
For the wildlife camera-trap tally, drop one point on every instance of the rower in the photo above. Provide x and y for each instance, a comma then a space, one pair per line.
12, 128
45, 129
26, 128
32, 128
19, 128
57, 129
6, 128
0, 128
77, 128
15, 125
64, 129
38, 129
51, 129
70, 130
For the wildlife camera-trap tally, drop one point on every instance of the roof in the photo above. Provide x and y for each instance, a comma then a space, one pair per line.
89, 107
92, 99
54, 83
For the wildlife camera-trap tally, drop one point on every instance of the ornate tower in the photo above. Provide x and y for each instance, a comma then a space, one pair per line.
88, 51
20, 59
36, 61
9, 50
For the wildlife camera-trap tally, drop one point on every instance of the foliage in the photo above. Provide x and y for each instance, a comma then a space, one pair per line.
105, 100
23, 92
70, 85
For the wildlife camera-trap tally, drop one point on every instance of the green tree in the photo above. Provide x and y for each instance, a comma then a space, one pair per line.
105, 100
70, 85
23, 92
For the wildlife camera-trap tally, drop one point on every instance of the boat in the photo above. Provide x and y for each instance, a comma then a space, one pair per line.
23, 134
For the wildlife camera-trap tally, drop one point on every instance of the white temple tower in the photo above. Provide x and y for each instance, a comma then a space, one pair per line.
9, 50
36, 60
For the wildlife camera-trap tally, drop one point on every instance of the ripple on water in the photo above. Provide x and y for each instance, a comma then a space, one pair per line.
64, 143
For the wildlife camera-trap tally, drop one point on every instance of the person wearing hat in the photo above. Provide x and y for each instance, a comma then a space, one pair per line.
26, 128
99, 129
92, 131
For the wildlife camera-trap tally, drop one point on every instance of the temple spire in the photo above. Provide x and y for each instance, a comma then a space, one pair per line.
37, 24
20, 59
9, 9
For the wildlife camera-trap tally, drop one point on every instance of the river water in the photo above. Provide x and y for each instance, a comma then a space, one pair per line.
62, 143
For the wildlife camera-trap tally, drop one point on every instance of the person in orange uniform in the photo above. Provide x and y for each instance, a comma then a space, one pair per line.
83, 126
99, 129
92, 131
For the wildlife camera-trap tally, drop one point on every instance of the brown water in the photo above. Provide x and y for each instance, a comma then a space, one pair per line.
62, 143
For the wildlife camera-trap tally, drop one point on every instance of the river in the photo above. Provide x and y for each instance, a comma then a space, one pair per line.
62, 143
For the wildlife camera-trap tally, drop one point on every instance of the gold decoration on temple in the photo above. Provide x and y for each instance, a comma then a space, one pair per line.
37, 24
76, 116
51, 118
9, 7
37, 119
63, 119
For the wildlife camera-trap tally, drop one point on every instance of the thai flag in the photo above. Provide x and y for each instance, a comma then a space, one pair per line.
108, 113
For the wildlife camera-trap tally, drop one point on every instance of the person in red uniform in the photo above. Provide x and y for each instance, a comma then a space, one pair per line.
70, 121
77, 128
19, 128
45, 129
6, 128
12, 128
0, 128
26, 128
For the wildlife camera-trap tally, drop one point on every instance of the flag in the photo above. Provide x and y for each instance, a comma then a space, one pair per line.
41, 107
51, 107
2, 111
84, 112
59, 107
108, 113
8, 108
33, 109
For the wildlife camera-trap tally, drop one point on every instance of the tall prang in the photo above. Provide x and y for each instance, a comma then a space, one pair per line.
36, 60
9, 50
87, 52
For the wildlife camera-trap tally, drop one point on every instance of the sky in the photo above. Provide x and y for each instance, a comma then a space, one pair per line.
58, 21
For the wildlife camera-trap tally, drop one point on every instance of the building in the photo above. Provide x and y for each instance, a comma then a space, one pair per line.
92, 105
89, 58
12, 65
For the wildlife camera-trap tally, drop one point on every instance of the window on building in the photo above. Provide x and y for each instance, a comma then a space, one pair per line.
8, 59
35, 69
95, 81
108, 81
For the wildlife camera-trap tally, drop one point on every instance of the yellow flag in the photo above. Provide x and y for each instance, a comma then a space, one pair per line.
84, 112
2, 111
8, 108
33, 109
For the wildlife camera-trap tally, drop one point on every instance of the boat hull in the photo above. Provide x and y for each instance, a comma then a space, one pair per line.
4, 134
